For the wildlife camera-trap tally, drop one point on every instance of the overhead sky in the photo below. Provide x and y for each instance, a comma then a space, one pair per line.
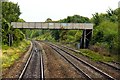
40, 10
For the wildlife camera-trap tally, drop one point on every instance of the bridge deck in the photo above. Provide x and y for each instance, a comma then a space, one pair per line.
43, 25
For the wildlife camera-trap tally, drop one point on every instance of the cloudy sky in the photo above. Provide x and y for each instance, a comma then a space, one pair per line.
40, 10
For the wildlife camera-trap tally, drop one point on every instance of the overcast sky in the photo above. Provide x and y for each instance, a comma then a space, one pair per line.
40, 10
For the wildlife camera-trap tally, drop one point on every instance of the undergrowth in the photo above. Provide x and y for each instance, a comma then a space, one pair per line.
98, 57
11, 54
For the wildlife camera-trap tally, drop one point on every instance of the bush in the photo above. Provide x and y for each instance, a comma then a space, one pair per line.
106, 34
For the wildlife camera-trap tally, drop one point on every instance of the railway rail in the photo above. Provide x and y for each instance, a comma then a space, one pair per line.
75, 66
115, 63
112, 66
78, 61
34, 68
109, 64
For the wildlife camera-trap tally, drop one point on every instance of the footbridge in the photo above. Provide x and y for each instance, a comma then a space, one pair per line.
86, 27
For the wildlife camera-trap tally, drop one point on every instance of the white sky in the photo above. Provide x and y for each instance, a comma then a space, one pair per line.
40, 10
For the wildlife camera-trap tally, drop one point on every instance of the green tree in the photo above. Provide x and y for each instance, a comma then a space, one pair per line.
48, 20
96, 19
10, 13
106, 33
65, 34
56, 34
75, 19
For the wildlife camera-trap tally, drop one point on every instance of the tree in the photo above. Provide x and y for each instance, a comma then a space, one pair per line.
75, 19
65, 34
5, 31
48, 20
96, 19
56, 34
10, 13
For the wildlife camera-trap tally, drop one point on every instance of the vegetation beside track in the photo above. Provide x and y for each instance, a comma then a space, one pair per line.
96, 56
12, 54
14, 48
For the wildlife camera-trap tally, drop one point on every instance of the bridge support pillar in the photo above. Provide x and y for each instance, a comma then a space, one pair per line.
86, 37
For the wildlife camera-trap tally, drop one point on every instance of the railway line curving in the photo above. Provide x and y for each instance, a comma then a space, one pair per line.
33, 68
98, 71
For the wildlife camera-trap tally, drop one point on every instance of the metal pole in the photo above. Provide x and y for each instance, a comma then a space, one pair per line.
85, 38
12, 39
26, 34
9, 39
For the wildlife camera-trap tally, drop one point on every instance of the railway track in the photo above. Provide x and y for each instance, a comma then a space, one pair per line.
112, 66
89, 71
75, 66
33, 68
116, 63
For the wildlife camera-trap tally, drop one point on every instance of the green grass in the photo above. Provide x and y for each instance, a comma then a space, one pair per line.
98, 57
12, 54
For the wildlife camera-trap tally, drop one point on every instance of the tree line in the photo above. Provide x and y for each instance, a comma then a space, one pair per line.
105, 33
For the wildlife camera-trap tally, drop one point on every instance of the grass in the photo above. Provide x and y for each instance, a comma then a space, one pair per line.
98, 57
12, 54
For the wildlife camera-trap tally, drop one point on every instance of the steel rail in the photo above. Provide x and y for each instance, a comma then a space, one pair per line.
41, 60
26, 65
42, 67
116, 62
86, 75
110, 65
93, 67
100, 61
